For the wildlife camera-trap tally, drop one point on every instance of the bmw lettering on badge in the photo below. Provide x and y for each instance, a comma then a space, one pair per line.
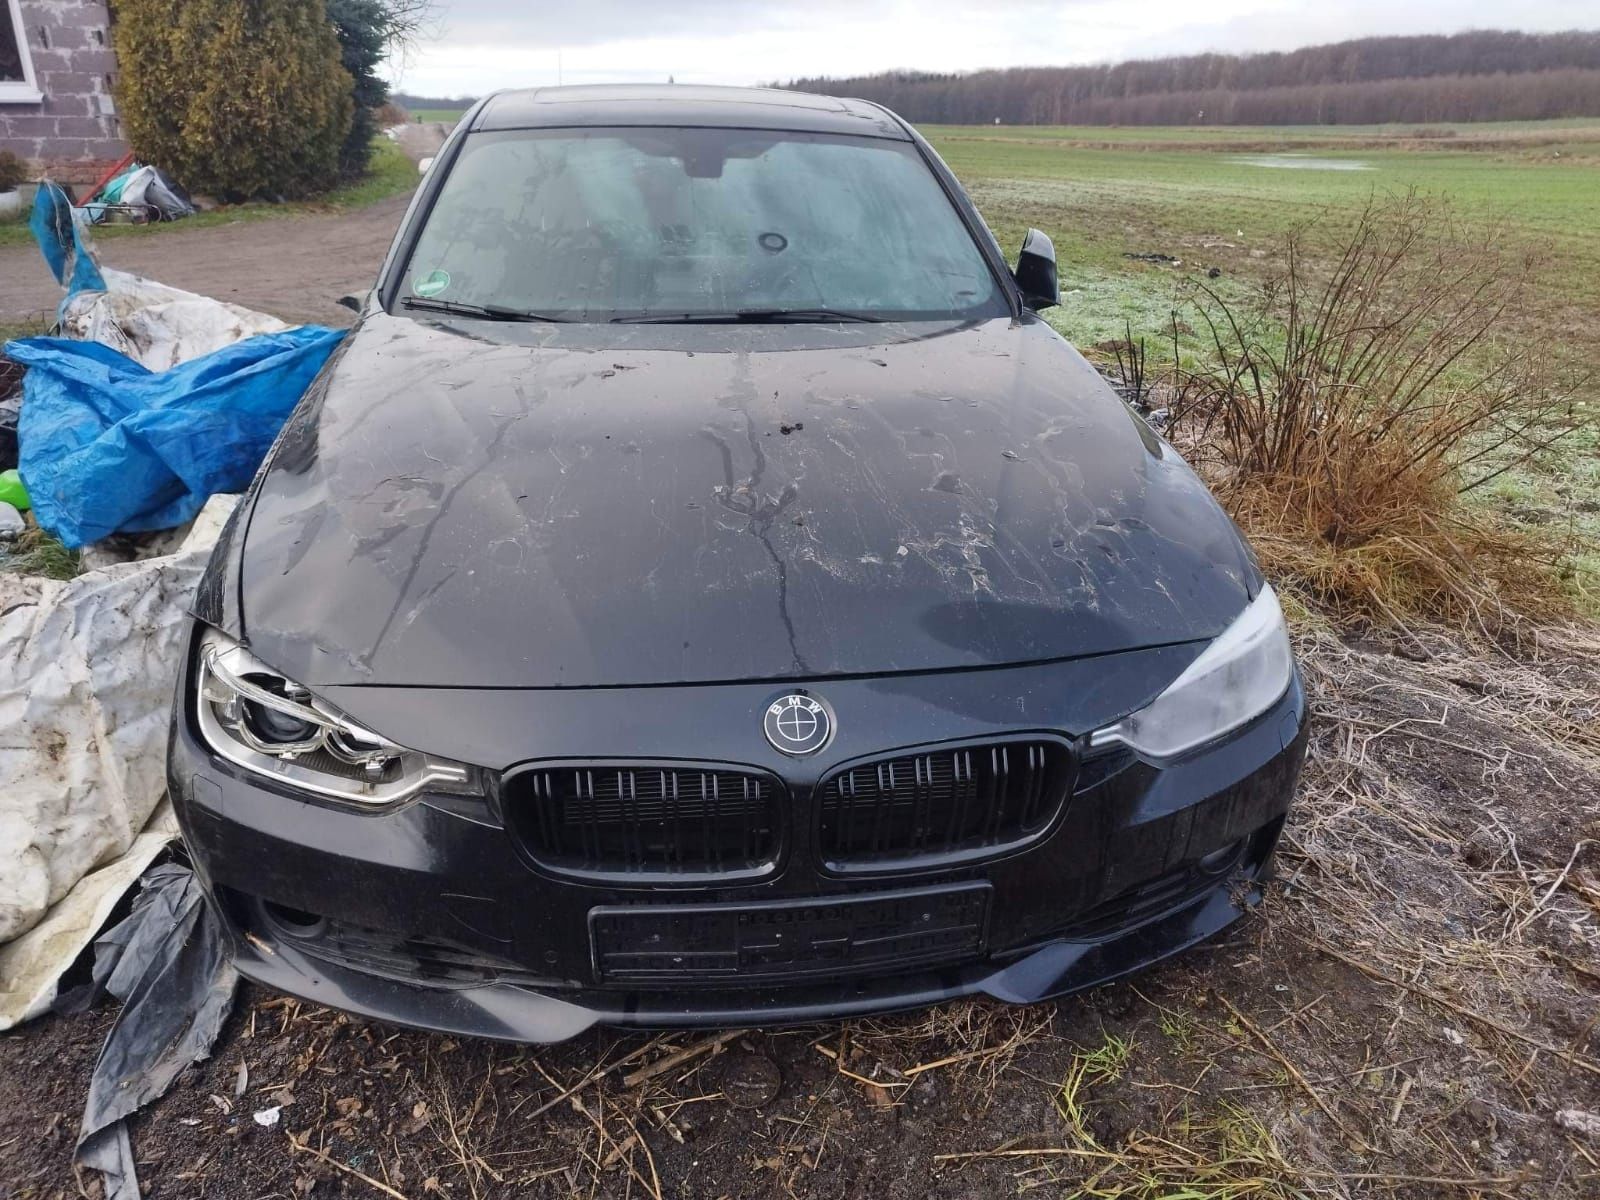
797, 725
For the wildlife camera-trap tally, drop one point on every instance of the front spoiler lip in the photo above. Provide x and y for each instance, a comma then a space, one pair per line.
512, 1012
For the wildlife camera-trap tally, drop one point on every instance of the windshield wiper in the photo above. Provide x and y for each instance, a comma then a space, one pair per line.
752, 316
488, 312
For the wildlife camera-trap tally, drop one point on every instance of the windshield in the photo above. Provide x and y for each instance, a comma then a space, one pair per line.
664, 224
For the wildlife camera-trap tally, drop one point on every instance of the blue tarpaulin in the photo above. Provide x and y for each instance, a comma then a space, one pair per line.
63, 241
108, 446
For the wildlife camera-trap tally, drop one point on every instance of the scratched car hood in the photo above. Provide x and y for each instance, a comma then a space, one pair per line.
552, 506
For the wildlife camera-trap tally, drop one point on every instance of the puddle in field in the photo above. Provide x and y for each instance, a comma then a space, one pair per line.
1300, 162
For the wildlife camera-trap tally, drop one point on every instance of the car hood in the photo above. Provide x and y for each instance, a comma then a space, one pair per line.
484, 505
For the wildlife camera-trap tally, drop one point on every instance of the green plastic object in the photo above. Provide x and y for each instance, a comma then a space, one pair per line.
12, 491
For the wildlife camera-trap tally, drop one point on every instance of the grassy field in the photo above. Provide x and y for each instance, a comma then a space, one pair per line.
1280, 136
1226, 199
448, 115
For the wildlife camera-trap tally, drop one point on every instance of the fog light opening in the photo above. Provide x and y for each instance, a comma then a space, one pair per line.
1220, 862
295, 922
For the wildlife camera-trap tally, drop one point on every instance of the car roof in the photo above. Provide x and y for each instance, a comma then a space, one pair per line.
679, 105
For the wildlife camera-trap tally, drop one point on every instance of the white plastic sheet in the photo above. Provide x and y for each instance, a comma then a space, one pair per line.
87, 668
31, 966
156, 325
86, 676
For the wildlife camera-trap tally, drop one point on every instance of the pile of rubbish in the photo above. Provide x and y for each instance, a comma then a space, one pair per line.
151, 400
140, 193
128, 439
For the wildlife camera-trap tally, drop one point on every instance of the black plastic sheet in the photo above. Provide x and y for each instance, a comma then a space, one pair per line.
10, 410
168, 963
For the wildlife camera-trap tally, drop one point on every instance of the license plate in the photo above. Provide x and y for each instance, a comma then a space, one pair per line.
790, 938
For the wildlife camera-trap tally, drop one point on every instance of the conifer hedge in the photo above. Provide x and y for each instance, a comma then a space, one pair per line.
235, 98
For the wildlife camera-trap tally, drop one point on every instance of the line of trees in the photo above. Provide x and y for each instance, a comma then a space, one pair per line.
1481, 76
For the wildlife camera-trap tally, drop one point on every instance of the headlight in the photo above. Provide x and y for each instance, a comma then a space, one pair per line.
266, 723
1237, 678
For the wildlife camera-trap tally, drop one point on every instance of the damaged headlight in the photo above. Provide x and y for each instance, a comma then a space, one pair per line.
1240, 675
266, 723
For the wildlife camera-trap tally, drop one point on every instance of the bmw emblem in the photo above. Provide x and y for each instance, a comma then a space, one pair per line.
797, 724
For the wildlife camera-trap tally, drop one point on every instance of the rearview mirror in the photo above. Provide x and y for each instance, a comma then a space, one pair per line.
423, 164
1036, 272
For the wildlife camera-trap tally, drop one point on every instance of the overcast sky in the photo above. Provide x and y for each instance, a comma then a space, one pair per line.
481, 45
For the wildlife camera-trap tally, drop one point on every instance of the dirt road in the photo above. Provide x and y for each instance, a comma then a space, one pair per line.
293, 267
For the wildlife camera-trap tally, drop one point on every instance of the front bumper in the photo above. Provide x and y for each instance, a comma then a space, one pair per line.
431, 916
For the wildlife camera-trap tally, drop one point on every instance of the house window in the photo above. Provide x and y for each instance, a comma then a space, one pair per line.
17, 83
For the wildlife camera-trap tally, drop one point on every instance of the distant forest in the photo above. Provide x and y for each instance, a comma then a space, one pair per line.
1481, 76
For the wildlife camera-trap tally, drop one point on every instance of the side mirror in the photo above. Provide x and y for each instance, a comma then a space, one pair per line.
1036, 272
423, 164
353, 302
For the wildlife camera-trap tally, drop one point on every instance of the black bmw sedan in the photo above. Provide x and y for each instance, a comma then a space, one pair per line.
701, 590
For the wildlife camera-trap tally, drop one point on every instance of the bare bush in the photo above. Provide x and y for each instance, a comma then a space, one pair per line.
389, 113
1343, 415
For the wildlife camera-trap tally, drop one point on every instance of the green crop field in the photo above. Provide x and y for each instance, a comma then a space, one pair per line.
448, 115
1226, 199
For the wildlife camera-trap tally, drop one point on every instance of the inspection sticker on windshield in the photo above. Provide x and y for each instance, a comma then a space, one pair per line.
431, 284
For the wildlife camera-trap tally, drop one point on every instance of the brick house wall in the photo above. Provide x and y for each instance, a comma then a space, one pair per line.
66, 123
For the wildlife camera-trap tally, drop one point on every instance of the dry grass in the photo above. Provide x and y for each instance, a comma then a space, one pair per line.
1481, 896
35, 552
1345, 416
1440, 895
